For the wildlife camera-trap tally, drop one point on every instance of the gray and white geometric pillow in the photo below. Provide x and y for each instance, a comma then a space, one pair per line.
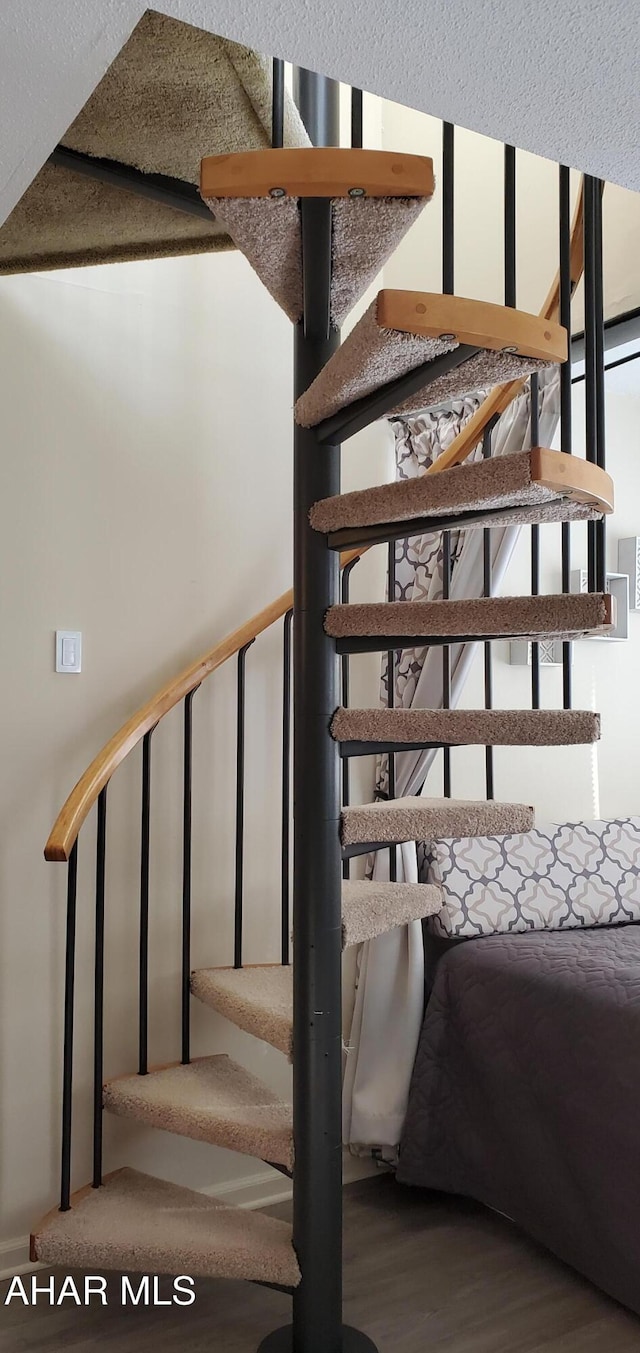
553, 878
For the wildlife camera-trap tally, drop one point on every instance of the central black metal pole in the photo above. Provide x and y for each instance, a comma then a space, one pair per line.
317, 1113
317, 864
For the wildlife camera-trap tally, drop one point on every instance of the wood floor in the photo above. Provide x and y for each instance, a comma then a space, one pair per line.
422, 1273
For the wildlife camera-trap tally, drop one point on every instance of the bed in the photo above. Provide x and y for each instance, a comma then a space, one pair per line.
526, 1091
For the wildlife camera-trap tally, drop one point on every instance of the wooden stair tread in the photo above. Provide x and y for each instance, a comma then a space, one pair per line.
482, 323
404, 332
138, 1224
464, 727
211, 1099
563, 616
417, 818
316, 171
529, 486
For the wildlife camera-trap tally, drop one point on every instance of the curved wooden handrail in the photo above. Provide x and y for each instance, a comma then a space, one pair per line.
65, 829
67, 825
82, 798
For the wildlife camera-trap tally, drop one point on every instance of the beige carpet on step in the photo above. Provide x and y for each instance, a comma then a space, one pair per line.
173, 95
565, 616
139, 1224
212, 1099
371, 356
499, 482
365, 233
371, 908
421, 819
468, 727
258, 999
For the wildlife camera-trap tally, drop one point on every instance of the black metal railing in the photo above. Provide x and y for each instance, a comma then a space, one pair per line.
67, 1055
187, 854
564, 295
241, 709
145, 860
98, 989
487, 588
345, 582
145, 899
285, 855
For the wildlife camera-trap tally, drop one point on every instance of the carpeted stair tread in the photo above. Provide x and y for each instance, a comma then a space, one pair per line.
365, 230
420, 819
467, 727
138, 1224
370, 908
257, 999
212, 1099
530, 486
563, 616
173, 94
372, 355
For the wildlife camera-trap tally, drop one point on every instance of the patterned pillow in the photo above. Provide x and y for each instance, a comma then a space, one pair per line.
553, 878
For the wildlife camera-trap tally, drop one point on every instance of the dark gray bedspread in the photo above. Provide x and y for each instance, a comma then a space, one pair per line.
526, 1092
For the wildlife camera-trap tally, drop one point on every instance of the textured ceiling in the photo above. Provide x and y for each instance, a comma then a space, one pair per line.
558, 77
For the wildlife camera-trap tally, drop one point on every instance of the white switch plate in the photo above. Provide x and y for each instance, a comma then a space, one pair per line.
68, 651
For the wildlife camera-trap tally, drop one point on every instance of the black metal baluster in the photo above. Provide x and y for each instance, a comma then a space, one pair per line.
446, 661
67, 1060
285, 934
590, 358
98, 990
356, 119
510, 226
565, 395
598, 326
277, 104
487, 652
239, 886
143, 1029
509, 300
448, 279
344, 668
187, 776
391, 700
448, 207
534, 395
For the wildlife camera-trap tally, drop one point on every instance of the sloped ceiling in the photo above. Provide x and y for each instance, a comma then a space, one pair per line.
558, 77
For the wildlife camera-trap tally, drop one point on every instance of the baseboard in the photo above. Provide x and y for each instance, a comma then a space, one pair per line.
14, 1258
264, 1188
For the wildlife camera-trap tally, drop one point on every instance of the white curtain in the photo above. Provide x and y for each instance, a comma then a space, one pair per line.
388, 1008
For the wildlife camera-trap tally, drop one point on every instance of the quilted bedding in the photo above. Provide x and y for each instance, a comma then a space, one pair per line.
526, 1092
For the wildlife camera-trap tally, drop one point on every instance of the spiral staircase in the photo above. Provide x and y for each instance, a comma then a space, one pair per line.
317, 224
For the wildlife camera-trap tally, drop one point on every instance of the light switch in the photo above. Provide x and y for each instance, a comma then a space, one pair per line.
68, 651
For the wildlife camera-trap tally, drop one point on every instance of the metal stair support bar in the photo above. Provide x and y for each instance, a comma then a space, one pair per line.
358, 415
168, 192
